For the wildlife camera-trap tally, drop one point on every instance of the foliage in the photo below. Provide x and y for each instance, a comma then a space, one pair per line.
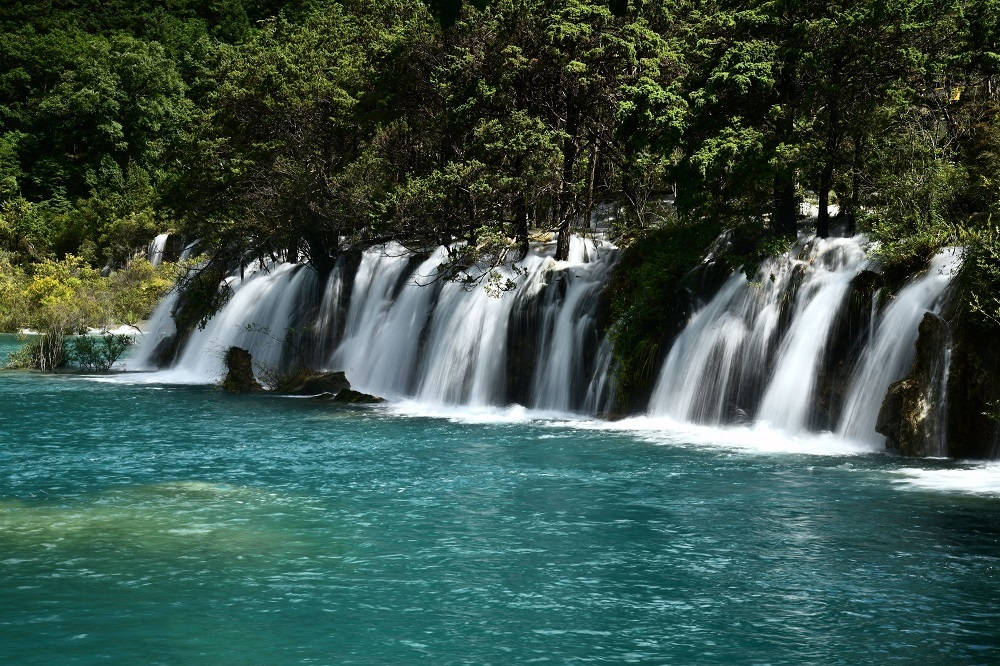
99, 354
49, 352
303, 130
648, 302
981, 276
68, 296
25, 357
13, 300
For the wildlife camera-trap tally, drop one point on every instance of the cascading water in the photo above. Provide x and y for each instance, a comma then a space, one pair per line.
570, 323
755, 352
258, 317
155, 250
378, 351
443, 343
833, 264
397, 331
735, 350
889, 355
159, 329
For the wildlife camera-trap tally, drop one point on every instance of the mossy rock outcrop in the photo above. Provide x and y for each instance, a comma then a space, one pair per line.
240, 377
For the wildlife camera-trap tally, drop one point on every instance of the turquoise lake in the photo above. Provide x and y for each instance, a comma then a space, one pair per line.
143, 523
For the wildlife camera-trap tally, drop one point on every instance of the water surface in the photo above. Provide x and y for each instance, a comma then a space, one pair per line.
163, 524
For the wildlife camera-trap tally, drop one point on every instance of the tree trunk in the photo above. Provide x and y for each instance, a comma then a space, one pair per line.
784, 203
784, 214
566, 191
521, 227
826, 176
590, 182
823, 217
852, 211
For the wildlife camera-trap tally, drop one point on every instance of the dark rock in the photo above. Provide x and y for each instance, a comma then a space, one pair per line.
890, 416
523, 331
848, 337
313, 383
973, 390
173, 246
352, 397
913, 416
240, 378
324, 385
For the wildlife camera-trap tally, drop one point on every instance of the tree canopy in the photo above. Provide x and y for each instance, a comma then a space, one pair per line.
303, 129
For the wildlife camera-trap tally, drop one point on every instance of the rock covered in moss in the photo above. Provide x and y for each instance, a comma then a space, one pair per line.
240, 377
307, 382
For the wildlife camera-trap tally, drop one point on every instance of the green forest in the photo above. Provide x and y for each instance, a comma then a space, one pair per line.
307, 128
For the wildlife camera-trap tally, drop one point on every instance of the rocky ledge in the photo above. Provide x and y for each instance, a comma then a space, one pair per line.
329, 385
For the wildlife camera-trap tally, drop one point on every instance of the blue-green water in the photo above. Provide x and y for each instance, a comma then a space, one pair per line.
146, 524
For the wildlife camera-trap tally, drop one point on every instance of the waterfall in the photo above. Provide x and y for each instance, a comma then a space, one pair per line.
890, 354
444, 343
788, 398
759, 350
258, 317
568, 327
158, 330
735, 359
756, 350
399, 331
155, 250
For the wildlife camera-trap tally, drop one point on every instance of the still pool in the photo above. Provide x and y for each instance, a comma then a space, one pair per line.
154, 524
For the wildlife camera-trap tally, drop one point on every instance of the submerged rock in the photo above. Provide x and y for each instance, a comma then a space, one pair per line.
352, 397
240, 378
330, 385
312, 383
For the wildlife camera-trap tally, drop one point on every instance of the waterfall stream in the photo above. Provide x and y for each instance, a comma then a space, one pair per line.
756, 351
398, 331
736, 360
889, 355
155, 251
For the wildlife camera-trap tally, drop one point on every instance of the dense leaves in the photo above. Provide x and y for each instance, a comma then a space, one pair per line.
302, 129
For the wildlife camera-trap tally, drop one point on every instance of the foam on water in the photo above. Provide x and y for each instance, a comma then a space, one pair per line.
472, 414
969, 480
759, 438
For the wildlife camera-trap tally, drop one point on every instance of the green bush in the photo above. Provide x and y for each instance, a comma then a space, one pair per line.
981, 276
46, 352
24, 357
99, 354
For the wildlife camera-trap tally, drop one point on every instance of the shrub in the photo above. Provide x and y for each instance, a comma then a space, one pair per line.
45, 352
99, 354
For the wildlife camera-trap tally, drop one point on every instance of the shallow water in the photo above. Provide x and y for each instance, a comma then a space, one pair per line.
163, 524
